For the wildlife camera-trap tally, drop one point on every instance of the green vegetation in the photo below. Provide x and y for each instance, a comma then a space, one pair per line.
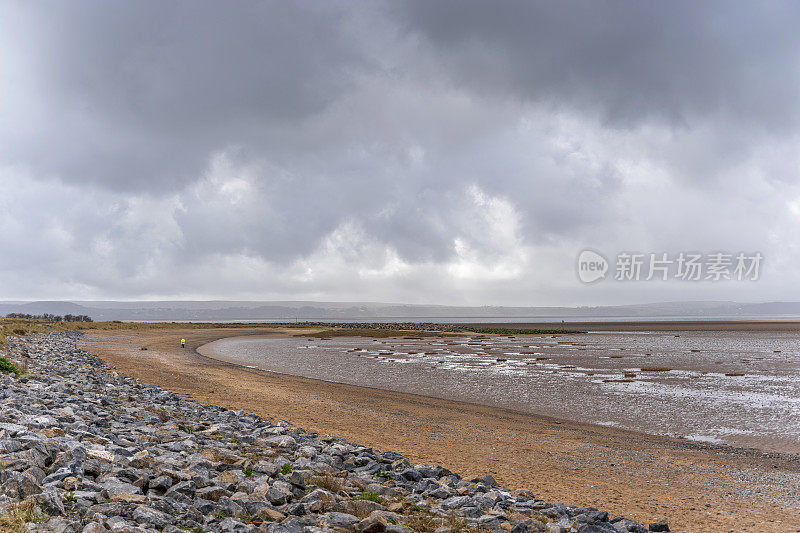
286, 469
248, 472
383, 475
52, 318
521, 331
7, 367
370, 496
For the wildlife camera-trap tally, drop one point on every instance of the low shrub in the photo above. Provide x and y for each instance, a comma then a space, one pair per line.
7, 367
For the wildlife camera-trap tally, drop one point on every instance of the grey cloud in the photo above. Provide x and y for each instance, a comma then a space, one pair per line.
136, 95
417, 151
679, 61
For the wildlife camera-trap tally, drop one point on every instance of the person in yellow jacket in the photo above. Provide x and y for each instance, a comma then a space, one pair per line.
183, 343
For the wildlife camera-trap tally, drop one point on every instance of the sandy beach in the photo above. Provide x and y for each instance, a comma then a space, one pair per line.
696, 487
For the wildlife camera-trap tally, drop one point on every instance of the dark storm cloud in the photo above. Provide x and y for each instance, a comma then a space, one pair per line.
632, 61
416, 151
136, 95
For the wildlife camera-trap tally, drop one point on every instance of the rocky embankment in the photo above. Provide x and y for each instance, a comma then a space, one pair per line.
84, 449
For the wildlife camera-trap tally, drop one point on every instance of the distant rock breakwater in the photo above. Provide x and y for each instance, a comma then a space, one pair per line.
404, 326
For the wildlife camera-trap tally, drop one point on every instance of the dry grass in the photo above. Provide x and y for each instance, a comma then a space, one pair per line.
359, 508
425, 522
330, 483
162, 415
14, 517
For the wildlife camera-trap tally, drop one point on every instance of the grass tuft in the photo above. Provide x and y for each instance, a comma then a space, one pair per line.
370, 496
15, 517
7, 367
328, 482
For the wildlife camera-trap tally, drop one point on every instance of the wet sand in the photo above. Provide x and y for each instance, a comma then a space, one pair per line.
696, 487
724, 387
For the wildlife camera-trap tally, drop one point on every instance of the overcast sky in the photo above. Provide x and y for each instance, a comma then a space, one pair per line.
423, 152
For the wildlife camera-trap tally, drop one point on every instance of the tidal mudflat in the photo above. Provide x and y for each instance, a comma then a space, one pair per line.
728, 387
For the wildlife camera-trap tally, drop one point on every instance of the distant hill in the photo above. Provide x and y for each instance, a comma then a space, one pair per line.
38, 308
308, 310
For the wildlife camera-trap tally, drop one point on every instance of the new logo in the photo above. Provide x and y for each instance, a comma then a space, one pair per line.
591, 266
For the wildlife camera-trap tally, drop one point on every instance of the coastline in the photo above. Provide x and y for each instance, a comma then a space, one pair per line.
151, 461
636, 475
